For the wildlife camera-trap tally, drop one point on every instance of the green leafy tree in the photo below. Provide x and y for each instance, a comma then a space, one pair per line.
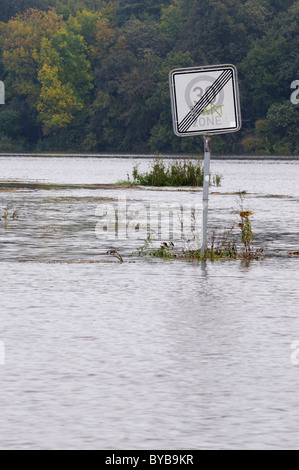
162, 136
22, 48
220, 31
93, 74
141, 9
283, 122
10, 8
262, 69
65, 80
173, 22
126, 80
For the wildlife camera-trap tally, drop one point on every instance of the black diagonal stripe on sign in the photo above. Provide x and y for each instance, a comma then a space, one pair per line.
205, 101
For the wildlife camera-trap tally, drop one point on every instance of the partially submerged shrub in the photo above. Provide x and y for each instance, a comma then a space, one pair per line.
247, 234
227, 244
165, 251
175, 173
222, 245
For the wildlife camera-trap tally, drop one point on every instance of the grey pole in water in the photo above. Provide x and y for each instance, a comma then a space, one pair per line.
206, 188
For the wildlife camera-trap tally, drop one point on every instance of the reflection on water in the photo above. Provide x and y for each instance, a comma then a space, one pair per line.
143, 355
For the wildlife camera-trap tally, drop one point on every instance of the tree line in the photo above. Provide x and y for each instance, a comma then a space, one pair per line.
92, 75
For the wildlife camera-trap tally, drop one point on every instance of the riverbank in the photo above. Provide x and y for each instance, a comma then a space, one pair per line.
149, 156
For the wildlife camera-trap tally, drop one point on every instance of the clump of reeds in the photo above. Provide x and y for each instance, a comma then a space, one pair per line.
14, 216
165, 250
223, 244
226, 244
247, 234
5, 216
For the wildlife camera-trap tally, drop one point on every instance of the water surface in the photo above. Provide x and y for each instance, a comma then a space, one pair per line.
146, 354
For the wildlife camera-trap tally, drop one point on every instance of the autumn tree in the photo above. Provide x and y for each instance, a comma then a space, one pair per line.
65, 80
21, 51
11, 8
93, 74
138, 9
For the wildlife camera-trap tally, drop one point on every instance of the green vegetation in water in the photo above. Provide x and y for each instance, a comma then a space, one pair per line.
126, 183
165, 251
247, 234
5, 217
14, 216
177, 173
223, 245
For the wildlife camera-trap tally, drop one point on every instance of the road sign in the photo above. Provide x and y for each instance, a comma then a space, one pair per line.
205, 100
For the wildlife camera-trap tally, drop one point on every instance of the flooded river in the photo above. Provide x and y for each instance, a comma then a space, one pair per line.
147, 354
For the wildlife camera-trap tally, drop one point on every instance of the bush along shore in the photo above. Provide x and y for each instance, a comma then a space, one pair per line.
177, 173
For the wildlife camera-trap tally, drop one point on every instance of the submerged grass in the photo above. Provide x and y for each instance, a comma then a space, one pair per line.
6, 216
227, 244
165, 251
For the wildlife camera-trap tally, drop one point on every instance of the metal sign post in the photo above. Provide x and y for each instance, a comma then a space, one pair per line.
205, 101
206, 190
